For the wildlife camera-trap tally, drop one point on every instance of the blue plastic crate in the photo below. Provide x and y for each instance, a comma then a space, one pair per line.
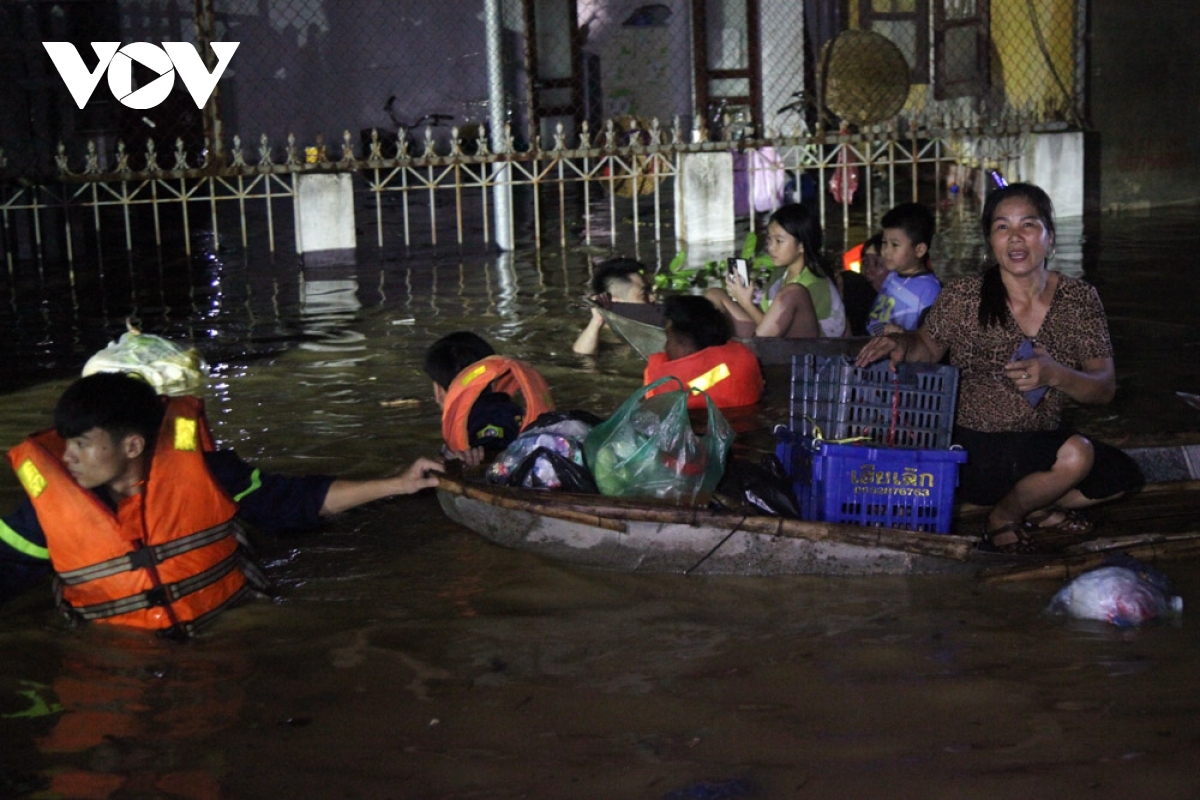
911, 407
874, 486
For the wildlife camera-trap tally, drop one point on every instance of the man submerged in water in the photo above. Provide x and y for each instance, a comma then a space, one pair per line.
142, 520
620, 285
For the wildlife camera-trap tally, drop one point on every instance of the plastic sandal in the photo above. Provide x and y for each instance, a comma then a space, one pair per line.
1073, 525
1013, 539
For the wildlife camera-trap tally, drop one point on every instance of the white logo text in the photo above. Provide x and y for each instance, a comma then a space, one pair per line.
164, 61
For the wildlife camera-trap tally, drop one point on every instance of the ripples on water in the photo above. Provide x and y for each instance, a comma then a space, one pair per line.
409, 658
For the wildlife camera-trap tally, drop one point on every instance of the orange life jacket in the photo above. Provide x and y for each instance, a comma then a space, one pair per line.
729, 373
502, 375
168, 559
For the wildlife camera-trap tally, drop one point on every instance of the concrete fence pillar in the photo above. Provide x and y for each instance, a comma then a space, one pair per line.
704, 201
1055, 162
324, 206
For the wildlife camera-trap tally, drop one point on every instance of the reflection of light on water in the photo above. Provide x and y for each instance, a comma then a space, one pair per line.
507, 278
1068, 247
327, 307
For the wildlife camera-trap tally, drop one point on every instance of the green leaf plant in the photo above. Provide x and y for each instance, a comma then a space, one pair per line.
678, 277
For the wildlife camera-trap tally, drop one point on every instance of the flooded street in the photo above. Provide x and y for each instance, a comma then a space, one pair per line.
407, 657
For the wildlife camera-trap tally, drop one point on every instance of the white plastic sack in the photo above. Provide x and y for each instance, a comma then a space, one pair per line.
166, 366
1119, 595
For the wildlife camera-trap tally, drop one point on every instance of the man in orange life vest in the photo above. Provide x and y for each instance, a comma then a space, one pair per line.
699, 353
475, 389
141, 519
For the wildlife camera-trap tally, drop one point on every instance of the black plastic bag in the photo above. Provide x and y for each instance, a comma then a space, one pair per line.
764, 485
544, 468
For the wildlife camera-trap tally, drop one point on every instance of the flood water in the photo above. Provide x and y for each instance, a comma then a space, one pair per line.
409, 658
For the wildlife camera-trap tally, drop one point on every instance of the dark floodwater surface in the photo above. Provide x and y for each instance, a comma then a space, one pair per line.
409, 658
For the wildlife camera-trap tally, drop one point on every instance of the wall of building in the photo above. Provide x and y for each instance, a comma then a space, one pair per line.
1143, 85
326, 66
1034, 58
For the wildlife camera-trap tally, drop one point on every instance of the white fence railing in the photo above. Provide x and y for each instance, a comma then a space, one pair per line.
444, 198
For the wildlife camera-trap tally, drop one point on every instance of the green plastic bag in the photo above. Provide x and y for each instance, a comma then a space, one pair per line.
648, 448
166, 366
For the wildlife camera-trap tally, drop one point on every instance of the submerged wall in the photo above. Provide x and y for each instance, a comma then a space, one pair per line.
1144, 79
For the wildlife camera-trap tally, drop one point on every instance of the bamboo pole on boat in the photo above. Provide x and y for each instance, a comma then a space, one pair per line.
919, 542
612, 514
1150, 548
490, 498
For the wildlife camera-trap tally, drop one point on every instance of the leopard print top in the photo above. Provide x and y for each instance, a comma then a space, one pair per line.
1074, 330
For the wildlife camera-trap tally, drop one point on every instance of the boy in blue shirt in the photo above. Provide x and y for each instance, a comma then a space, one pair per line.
910, 287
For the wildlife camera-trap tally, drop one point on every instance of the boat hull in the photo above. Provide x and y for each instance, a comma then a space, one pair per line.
703, 548
1157, 524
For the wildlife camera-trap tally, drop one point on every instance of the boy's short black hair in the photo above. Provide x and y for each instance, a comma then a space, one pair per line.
116, 402
915, 220
453, 353
696, 318
613, 270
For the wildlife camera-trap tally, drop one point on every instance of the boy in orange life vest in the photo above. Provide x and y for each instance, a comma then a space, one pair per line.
140, 518
474, 388
699, 353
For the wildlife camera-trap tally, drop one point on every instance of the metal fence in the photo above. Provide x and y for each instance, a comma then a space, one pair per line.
601, 99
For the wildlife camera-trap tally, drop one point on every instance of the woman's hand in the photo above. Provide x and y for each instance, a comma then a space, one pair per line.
1094, 382
1030, 373
903, 346
886, 346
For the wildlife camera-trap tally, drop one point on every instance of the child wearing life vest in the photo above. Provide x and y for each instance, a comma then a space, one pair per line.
474, 388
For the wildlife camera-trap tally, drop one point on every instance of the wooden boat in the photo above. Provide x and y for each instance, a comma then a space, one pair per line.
1160, 523
771, 351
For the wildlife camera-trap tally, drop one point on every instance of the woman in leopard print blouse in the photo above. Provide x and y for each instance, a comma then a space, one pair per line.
1025, 339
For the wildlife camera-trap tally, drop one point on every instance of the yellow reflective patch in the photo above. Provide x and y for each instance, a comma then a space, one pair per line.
31, 479
185, 434
473, 374
711, 378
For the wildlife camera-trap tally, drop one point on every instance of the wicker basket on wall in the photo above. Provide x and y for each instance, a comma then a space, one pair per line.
864, 77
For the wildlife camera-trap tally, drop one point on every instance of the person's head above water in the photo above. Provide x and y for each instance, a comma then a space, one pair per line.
453, 353
693, 323
109, 422
115, 402
622, 278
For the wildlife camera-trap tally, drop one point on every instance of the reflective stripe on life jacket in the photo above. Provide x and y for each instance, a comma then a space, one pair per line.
168, 558
729, 373
502, 375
